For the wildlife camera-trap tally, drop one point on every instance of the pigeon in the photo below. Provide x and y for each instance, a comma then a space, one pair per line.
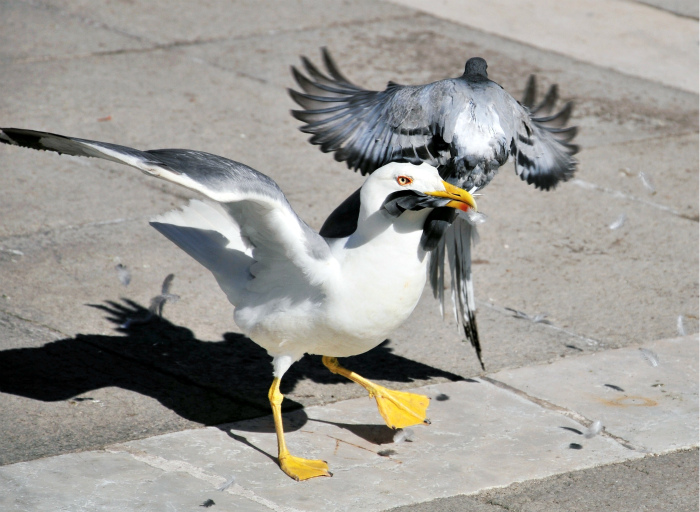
467, 127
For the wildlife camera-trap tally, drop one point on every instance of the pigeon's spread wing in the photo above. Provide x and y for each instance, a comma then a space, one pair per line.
368, 129
541, 144
253, 218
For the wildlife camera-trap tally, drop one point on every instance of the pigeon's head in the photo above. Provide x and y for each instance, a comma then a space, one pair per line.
405, 186
476, 66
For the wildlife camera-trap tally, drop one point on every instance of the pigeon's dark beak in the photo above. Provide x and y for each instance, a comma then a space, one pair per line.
459, 198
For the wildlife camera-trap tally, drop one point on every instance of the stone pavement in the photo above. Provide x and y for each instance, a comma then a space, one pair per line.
530, 423
213, 78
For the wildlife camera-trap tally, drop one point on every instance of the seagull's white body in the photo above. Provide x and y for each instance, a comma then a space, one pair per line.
340, 305
294, 291
368, 290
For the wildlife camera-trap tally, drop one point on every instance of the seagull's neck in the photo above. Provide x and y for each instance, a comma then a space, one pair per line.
376, 225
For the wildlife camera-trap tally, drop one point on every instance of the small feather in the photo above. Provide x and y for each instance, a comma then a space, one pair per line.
619, 222
650, 357
593, 430
613, 386
540, 318
158, 302
156, 306
404, 434
680, 326
475, 218
167, 282
228, 483
646, 181
123, 274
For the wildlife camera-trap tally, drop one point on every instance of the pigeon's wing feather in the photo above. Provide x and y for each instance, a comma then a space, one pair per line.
541, 140
368, 129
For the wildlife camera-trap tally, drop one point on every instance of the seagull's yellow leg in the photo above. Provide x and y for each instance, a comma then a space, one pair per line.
296, 467
398, 408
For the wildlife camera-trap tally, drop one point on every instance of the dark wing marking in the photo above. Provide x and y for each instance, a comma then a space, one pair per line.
342, 222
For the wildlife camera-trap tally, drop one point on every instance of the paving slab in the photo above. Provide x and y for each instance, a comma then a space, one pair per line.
102, 481
484, 434
648, 396
659, 46
178, 22
33, 32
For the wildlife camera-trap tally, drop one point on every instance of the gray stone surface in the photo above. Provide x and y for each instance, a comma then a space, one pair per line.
99, 481
489, 443
640, 395
631, 37
153, 74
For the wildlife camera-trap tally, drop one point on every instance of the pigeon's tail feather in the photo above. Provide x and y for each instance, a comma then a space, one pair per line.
458, 240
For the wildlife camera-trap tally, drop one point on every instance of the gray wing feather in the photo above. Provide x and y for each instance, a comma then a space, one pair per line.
368, 129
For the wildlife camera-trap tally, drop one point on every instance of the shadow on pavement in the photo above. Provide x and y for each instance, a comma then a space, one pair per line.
209, 382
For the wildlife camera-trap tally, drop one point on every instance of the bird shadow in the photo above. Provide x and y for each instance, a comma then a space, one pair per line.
208, 382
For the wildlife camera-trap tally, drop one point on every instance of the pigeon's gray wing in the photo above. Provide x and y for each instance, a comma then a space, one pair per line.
253, 214
541, 142
368, 129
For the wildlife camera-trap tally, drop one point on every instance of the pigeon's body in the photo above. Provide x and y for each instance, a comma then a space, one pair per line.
467, 127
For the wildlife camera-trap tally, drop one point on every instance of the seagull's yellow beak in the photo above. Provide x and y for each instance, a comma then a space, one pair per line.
461, 199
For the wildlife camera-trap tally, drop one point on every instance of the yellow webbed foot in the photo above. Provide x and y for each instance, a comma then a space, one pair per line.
400, 409
303, 469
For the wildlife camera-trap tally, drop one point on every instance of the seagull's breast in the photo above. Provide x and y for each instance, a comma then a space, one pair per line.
377, 289
371, 288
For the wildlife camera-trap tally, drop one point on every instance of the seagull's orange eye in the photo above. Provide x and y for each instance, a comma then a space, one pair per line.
404, 180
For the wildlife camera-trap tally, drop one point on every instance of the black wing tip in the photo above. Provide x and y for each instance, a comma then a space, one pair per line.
27, 138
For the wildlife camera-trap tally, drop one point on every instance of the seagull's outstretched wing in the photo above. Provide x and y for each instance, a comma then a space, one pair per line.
253, 224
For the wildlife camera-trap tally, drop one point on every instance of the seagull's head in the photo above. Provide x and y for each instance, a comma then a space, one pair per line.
405, 186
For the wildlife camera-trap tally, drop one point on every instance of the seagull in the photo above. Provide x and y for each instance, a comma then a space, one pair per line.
295, 291
467, 127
